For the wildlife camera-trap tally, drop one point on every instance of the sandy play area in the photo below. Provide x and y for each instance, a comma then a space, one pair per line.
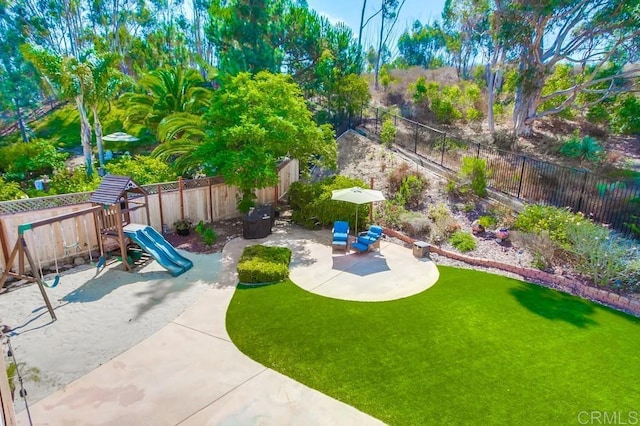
98, 318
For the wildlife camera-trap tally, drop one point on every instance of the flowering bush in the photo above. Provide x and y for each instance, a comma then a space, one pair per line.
536, 218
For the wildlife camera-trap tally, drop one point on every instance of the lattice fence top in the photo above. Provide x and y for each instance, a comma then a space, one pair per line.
30, 204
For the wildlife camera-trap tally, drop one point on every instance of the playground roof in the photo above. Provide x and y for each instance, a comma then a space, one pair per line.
114, 188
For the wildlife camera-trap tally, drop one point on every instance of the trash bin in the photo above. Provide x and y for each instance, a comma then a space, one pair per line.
420, 249
257, 223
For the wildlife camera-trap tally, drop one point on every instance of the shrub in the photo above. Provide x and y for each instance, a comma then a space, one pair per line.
443, 222
503, 215
142, 169
625, 117
542, 247
391, 215
388, 132
10, 191
208, 235
39, 157
605, 257
586, 148
487, 221
445, 110
473, 114
411, 190
463, 241
475, 172
504, 139
415, 225
262, 264
66, 182
536, 218
407, 186
311, 203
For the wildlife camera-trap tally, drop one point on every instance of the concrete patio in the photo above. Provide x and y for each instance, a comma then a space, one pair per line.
190, 373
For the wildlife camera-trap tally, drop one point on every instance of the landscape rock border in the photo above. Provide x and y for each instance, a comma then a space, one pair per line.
566, 285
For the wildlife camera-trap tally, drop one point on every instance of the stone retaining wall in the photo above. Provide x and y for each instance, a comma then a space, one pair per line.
558, 282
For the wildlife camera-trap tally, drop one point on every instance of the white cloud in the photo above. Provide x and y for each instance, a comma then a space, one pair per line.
332, 19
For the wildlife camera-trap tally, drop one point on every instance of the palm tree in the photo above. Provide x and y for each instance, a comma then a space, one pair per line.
70, 78
163, 92
107, 80
179, 135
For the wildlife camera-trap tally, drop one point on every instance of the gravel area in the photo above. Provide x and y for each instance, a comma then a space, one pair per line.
359, 157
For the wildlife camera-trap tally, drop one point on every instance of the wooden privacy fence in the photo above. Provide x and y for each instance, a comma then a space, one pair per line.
206, 199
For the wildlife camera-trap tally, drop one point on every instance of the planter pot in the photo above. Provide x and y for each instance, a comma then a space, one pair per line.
183, 232
502, 235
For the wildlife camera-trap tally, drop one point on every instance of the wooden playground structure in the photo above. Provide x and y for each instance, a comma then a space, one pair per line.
111, 209
21, 253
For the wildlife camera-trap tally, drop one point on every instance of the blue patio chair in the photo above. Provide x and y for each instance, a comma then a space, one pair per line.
368, 239
340, 235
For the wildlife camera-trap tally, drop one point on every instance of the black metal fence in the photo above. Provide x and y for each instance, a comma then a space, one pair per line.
609, 201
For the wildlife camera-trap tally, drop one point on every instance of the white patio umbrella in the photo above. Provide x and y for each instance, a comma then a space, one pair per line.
357, 196
120, 137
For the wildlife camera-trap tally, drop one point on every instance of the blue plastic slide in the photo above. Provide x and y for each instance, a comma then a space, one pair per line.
154, 243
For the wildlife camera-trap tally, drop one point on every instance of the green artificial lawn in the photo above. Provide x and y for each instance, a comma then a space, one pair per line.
474, 349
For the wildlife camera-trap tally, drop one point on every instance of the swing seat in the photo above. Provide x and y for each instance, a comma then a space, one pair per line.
54, 284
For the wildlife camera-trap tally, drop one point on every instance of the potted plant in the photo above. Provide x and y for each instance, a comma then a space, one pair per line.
182, 227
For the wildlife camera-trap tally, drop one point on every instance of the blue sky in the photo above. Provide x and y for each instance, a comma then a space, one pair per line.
348, 11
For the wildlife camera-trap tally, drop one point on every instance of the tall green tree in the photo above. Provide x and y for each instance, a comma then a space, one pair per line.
253, 121
389, 11
19, 87
70, 78
247, 34
464, 24
422, 45
587, 33
107, 81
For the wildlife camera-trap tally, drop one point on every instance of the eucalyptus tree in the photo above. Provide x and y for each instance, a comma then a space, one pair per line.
115, 26
389, 11
590, 34
423, 45
248, 34
18, 79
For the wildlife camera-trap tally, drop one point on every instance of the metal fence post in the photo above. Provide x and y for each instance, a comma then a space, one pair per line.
444, 142
521, 176
478, 151
415, 142
584, 186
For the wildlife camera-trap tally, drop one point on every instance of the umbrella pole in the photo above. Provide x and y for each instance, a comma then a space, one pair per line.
356, 234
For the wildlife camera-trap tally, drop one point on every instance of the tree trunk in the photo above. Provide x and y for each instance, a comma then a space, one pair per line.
379, 55
20, 118
364, 6
490, 99
97, 127
494, 83
85, 135
527, 94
